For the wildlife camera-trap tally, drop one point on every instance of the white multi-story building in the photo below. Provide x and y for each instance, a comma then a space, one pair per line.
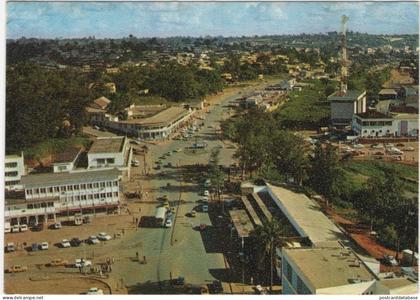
14, 169
51, 195
110, 152
376, 124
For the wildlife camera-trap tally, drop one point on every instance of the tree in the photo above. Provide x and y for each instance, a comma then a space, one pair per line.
272, 234
325, 175
217, 177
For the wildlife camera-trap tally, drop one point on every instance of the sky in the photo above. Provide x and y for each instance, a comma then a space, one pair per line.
164, 19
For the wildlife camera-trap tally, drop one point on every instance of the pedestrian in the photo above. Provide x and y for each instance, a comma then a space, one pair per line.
123, 231
113, 260
137, 255
144, 259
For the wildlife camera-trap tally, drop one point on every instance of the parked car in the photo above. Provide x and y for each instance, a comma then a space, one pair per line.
408, 148
65, 244
57, 225
38, 227
15, 228
389, 259
206, 193
93, 240
34, 247
377, 146
205, 208
81, 262
57, 262
75, 242
7, 228
17, 269
358, 146
10, 247
103, 236
95, 291
168, 222
135, 163
23, 228
193, 213
44, 246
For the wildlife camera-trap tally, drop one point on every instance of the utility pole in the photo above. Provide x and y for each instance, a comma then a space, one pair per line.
271, 265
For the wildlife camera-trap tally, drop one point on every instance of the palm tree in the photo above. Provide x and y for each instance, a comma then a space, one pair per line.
266, 238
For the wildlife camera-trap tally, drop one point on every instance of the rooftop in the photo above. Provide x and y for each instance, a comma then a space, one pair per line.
373, 114
166, 116
101, 102
50, 179
387, 92
241, 222
328, 267
349, 95
68, 155
305, 215
108, 145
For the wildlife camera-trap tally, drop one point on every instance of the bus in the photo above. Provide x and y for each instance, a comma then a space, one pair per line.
160, 216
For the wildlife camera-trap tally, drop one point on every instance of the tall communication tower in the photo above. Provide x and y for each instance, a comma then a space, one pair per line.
344, 62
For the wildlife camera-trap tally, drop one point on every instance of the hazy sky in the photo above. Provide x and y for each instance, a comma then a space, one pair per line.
101, 19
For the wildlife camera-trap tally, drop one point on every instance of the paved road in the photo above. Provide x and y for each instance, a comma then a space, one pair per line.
186, 255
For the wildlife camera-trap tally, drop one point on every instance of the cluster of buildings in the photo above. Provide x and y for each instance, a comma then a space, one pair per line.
70, 188
145, 122
318, 258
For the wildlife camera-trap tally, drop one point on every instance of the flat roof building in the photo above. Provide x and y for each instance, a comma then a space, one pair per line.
344, 105
111, 152
328, 271
65, 161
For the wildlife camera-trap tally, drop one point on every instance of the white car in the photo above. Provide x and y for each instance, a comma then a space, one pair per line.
95, 291
93, 240
23, 227
377, 146
168, 222
206, 193
358, 146
65, 244
103, 236
15, 228
44, 246
80, 262
395, 151
408, 148
135, 163
57, 225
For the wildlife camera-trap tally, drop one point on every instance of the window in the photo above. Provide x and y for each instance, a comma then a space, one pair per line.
108, 183
11, 174
30, 206
90, 185
110, 161
76, 187
63, 188
11, 165
101, 161
115, 194
83, 186
83, 197
96, 196
70, 187
56, 189
90, 197
109, 194
102, 184
77, 198
289, 271
50, 204
50, 190
36, 191
43, 204
115, 183
96, 185
62, 168
302, 289
103, 195
43, 190
28, 192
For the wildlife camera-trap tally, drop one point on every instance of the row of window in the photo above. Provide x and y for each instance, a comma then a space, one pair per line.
102, 161
11, 165
90, 196
11, 174
12, 182
73, 187
39, 205
374, 123
301, 288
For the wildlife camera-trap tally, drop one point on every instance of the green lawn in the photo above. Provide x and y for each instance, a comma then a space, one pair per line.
360, 171
54, 145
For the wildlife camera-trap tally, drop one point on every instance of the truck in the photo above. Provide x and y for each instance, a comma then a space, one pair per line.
160, 216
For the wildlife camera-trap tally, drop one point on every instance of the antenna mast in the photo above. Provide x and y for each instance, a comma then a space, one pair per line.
344, 62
